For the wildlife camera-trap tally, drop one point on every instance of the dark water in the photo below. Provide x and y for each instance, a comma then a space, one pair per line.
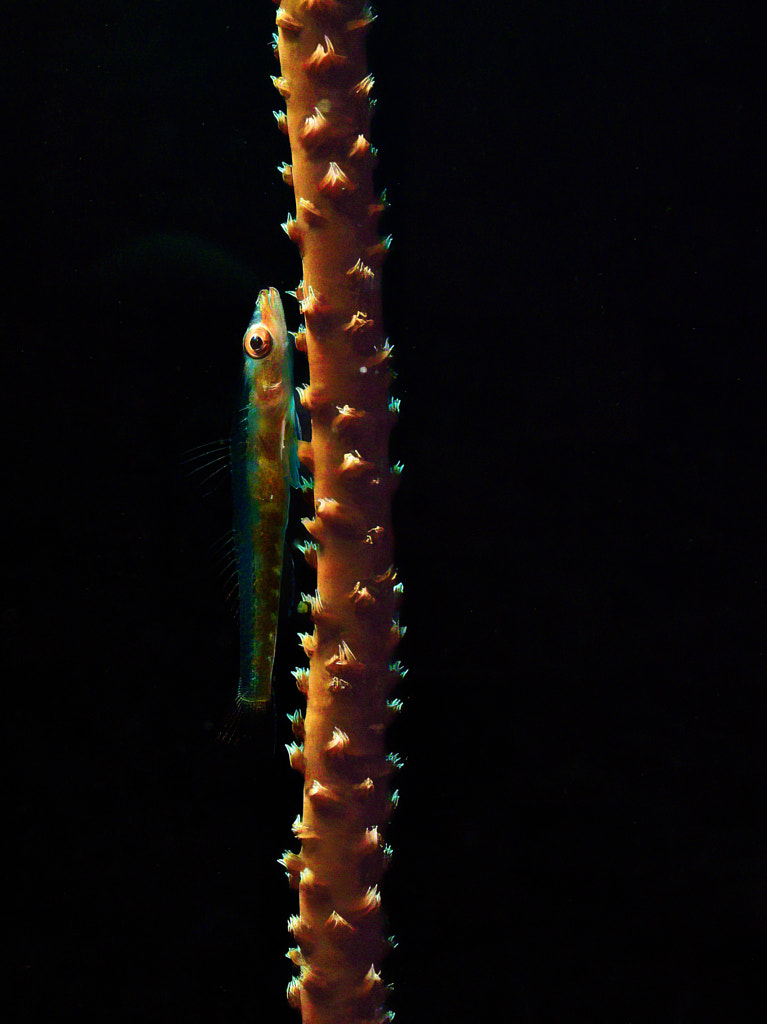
575, 297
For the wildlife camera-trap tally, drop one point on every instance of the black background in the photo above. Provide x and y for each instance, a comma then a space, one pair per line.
575, 294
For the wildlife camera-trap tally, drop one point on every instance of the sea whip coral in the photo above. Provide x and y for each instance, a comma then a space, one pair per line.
347, 801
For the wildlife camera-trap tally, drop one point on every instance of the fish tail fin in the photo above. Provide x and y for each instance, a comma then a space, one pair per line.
245, 721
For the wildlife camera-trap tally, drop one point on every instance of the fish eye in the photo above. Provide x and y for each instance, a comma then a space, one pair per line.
258, 342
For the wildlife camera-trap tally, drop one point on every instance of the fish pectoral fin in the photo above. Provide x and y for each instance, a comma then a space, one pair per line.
293, 468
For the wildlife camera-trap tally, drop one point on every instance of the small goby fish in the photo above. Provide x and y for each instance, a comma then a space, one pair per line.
264, 466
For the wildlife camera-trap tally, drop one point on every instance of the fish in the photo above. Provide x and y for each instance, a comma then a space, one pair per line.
264, 466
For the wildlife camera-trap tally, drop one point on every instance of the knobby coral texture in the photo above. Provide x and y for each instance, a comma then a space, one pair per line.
340, 748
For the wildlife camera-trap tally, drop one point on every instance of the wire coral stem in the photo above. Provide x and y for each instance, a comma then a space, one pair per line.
339, 931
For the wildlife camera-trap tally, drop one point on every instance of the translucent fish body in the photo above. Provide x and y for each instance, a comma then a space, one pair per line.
264, 464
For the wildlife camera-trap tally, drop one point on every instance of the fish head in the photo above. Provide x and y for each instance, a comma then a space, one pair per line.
266, 352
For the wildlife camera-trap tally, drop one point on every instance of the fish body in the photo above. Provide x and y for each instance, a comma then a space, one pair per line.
264, 465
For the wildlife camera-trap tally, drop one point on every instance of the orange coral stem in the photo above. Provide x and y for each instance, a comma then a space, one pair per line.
326, 86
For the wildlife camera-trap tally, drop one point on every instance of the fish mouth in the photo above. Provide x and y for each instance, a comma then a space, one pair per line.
270, 313
269, 306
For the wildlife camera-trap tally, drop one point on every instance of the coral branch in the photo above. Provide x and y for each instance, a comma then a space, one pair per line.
326, 87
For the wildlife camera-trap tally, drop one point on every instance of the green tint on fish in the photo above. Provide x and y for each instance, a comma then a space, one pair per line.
264, 465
